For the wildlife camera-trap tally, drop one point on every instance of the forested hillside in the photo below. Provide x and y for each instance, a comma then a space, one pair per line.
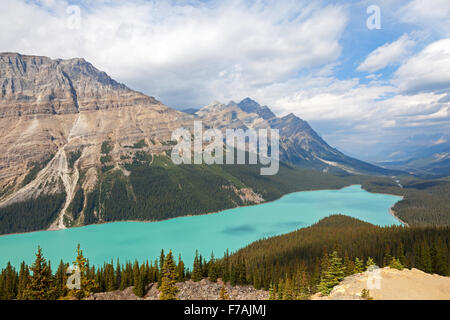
152, 188
300, 257
291, 266
156, 189
426, 202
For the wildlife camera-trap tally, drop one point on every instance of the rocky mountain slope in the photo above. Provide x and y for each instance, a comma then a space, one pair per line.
391, 284
98, 151
55, 115
300, 145
423, 155
406, 284
189, 290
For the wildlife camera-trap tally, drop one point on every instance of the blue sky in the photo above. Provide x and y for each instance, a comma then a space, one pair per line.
361, 89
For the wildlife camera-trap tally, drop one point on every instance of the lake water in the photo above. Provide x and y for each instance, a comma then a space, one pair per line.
232, 229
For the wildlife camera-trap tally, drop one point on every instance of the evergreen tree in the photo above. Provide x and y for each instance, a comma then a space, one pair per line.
332, 275
197, 270
61, 280
161, 264
87, 286
440, 265
349, 265
223, 293
425, 258
168, 288
212, 269
401, 254
180, 270
359, 265
40, 286
138, 281
110, 278
370, 263
272, 292
396, 264
8, 283
118, 272
23, 280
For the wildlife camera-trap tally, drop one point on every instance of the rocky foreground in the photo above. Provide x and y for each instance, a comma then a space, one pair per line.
391, 284
189, 290
385, 284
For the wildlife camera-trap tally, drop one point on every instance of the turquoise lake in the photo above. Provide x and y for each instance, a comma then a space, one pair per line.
232, 229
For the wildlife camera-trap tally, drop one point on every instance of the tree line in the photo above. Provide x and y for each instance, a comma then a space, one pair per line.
291, 266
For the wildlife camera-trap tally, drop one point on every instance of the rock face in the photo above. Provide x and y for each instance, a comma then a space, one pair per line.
50, 108
189, 290
391, 284
300, 145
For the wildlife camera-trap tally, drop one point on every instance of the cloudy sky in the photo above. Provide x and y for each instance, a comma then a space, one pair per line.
361, 88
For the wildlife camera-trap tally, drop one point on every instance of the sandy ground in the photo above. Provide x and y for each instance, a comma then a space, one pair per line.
392, 284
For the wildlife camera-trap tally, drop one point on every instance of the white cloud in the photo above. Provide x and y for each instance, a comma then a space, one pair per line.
429, 70
183, 54
430, 14
388, 54
282, 53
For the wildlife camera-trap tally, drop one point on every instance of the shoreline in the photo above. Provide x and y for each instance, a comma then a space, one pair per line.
208, 213
392, 212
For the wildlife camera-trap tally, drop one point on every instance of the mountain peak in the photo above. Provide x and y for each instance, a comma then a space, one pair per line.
251, 106
41, 85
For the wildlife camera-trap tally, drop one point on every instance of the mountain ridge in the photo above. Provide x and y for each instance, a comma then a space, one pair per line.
300, 145
71, 132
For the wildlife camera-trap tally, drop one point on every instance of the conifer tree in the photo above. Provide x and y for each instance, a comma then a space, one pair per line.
333, 275
23, 280
425, 258
396, 264
110, 278
87, 286
272, 292
61, 280
359, 266
40, 286
168, 288
180, 270
161, 264
401, 254
369, 263
212, 269
349, 265
440, 265
223, 293
138, 281
197, 270
387, 256
118, 274
8, 283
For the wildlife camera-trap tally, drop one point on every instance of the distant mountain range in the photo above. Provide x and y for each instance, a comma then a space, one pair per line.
423, 155
77, 147
300, 144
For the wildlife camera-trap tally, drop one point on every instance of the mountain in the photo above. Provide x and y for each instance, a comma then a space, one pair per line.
61, 121
190, 110
250, 106
422, 155
300, 145
77, 147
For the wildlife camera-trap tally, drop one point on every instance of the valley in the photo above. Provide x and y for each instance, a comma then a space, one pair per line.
84, 160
